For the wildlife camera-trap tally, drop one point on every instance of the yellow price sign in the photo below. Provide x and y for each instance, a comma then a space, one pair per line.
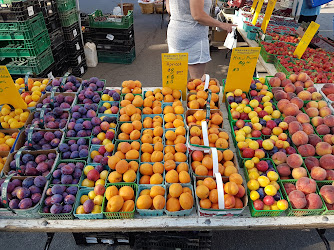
241, 69
306, 39
257, 11
267, 15
254, 5
175, 71
8, 92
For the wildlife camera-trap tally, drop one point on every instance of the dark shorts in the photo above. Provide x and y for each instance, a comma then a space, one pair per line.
307, 19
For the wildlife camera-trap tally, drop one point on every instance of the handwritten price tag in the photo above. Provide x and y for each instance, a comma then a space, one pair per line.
257, 11
267, 15
306, 39
175, 71
241, 69
8, 92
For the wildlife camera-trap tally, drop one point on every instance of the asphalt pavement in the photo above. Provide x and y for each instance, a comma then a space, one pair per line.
150, 38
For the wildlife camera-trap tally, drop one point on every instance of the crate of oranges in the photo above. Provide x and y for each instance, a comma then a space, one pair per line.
202, 163
180, 199
195, 117
220, 198
214, 138
151, 200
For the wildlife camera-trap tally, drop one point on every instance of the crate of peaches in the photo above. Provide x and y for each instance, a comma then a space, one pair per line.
220, 198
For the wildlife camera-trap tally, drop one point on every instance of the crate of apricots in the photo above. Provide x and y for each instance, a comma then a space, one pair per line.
199, 100
31, 93
165, 94
202, 163
3, 159
124, 163
216, 137
195, 117
8, 139
119, 201
173, 115
129, 131
13, 118
223, 198
151, 200
180, 199
130, 86
195, 85
131, 108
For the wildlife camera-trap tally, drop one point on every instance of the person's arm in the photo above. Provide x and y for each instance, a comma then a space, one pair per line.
167, 6
198, 13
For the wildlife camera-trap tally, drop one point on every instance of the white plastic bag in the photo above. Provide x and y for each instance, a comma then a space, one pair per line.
91, 55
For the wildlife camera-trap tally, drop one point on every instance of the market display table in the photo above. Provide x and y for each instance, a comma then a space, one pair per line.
167, 224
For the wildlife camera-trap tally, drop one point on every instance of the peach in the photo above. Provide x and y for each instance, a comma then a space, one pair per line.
299, 89
297, 199
293, 77
285, 82
311, 104
314, 139
306, 150
299, 138
324, 111
322, 104
289, 119
326, 161
302, 77
290, 88
279, 95
317, 120
330, 174
291, 109
298, 102
298, 173
312, 112
294, 127
294, 160
329, 120
229, 201
303, 118
328, 138
305, 95
275, 82
309, 83
311, 162
327, 193
313, 201
284, 170
307, 128
323, 129
306, 185
316, 96
299, 84
282, 103
289, 187
323, 148
318, 173
279, 158
280, 75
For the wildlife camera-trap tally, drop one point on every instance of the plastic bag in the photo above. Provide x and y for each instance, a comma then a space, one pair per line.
91, 55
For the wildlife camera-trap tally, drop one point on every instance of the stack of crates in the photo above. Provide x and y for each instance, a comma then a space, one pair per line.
113, 37
52, 21
68, 14
24, 39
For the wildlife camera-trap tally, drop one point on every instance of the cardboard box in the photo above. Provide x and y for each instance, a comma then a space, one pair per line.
219, 36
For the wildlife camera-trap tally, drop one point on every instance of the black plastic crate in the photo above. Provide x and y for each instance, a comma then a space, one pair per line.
19, 11
59, 52
74, 46
52, 22
48, 7
84, 19
119, 34
115, 45
76, 59
57, 38
112, 239
57, 69
80, 69
173, 240
71, 32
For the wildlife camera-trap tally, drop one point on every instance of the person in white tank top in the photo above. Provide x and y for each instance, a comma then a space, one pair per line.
188, 32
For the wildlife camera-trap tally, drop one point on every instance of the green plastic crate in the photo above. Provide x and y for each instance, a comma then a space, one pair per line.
119, 215
65, 5
301, 212
268, 58
25, 48
279, 67
98, 20
116, 57
90, 216
320, 184
68, 18
20, 66
23, 30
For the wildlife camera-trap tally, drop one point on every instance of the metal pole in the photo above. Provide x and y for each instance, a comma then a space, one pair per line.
162, 14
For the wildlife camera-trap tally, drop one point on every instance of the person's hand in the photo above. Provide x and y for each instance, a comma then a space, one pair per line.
227, 26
